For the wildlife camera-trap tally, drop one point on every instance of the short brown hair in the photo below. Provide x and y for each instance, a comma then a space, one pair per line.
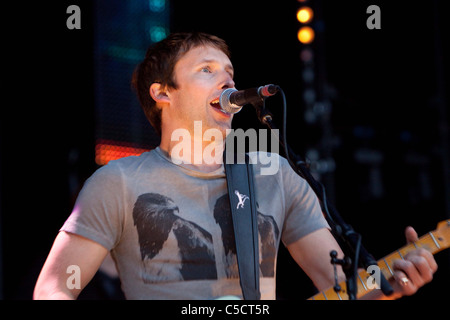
158, 66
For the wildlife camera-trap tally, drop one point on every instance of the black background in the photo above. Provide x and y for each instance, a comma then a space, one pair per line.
386, 80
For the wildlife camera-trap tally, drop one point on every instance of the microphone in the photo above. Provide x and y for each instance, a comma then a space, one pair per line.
232, 100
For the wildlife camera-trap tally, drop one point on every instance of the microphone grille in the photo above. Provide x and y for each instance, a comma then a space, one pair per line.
225, 103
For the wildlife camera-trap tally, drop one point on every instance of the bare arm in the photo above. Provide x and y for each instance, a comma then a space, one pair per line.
312, 254
68, 250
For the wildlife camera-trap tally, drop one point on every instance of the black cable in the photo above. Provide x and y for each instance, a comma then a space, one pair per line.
343, 232
294, 165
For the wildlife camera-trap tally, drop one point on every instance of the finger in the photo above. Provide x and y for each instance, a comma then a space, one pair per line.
408, 268
424, 270
403, 285
411, 234
424, 262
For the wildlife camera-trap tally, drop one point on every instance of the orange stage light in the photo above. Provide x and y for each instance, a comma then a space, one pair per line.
305, 15
306, 35
107, 150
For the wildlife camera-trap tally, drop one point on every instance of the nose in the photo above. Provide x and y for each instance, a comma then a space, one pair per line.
227, 81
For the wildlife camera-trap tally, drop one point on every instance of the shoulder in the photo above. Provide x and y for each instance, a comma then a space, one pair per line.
116, 170
273, 167
268, 163
131, 162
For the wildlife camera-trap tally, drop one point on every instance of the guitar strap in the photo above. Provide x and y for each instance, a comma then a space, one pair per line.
243, 211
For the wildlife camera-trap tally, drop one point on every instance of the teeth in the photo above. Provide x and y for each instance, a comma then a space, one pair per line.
216, 104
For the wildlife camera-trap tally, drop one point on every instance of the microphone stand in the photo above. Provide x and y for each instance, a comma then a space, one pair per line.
349, 240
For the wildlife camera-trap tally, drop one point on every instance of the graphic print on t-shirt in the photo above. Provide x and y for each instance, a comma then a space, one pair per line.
175, 249
268, 238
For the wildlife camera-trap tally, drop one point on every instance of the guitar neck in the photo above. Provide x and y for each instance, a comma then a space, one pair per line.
431, 241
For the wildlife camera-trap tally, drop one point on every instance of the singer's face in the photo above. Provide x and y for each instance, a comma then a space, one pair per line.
201, 75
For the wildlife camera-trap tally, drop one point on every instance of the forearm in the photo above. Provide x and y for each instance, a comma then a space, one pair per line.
47, 292
54, 296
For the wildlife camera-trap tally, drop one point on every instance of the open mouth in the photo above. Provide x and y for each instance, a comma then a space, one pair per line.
216, 104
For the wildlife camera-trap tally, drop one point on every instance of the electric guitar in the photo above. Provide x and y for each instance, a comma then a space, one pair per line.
433, 241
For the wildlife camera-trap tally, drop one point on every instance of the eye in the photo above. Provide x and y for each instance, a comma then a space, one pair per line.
206, 69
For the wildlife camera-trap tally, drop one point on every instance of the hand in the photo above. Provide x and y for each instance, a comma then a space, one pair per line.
415, 270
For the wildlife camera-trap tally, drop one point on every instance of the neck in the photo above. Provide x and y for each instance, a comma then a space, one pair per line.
192, 151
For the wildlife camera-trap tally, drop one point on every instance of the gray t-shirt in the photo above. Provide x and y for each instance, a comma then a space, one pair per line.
169, 228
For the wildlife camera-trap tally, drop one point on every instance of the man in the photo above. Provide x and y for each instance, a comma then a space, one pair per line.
165, 216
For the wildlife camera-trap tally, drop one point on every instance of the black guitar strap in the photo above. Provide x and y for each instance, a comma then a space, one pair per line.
245, 224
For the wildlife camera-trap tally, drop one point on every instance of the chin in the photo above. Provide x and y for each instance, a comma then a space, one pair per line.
224, 126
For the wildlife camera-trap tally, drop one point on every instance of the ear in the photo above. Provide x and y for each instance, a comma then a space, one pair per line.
158, 93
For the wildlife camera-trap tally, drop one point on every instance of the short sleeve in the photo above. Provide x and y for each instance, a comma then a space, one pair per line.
98, 210
303, 212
